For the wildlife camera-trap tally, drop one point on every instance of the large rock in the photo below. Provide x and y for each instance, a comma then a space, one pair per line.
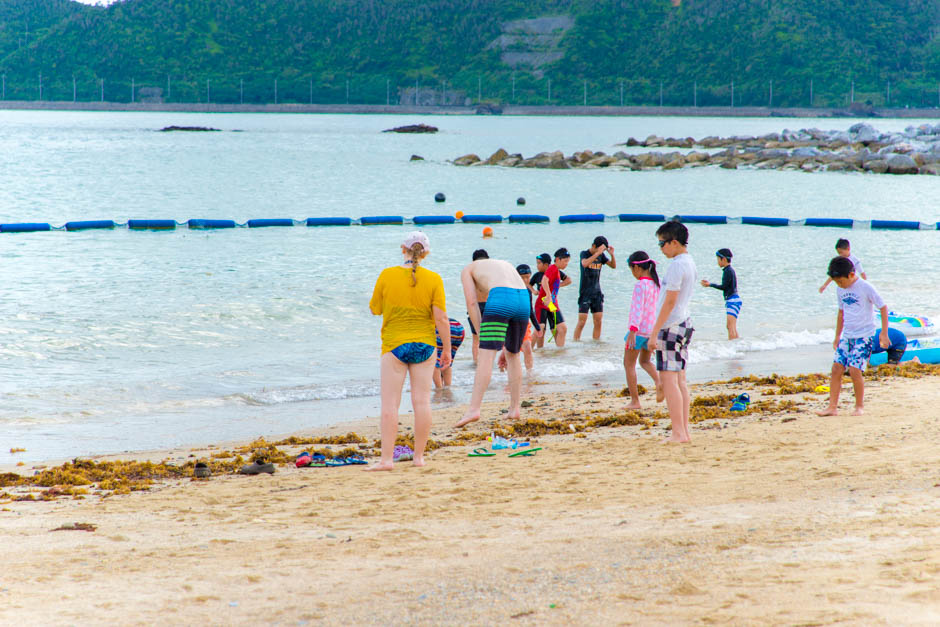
412, 128
497, 156
696, 157
582, 157
466, 159
653, 141
901, 164
602, 162
932, 168
730, 164
864, 133
878, 166
649, 159
510, 161
676, 163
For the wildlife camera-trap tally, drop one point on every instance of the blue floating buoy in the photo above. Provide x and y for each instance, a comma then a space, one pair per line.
81, 225
25, 227
198, 223
482, 218
642, 217
527, 217
439, 197
704, 219
329, 221
845, 223
151, 224
434, 219
581, 217
369, 220
895, 224
765, 221
261, 222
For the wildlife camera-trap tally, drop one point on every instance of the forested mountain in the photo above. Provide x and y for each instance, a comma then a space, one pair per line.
533, 52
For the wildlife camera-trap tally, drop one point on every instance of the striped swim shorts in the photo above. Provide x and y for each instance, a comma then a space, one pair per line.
733, 305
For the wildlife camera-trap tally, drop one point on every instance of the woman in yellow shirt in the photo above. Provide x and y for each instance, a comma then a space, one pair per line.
410, 300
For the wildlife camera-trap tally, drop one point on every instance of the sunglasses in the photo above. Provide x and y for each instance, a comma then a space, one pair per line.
663, 242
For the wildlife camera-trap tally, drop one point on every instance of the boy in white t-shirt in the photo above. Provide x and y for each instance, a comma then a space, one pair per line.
672, 331
844, 249
855, 326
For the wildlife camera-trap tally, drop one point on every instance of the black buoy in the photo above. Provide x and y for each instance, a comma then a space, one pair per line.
520, 201
439, 197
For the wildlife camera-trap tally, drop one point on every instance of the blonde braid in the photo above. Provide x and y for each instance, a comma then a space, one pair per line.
417, 254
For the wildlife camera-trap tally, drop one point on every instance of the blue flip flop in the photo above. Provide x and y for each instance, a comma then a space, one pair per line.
740, 402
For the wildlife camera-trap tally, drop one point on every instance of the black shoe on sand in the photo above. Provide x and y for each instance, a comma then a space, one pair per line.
256, 468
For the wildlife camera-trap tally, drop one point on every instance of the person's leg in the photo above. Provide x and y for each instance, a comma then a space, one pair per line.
392, 376
438, 378
527, 354
560, 332
582, 320
475, 347
629, 365
481, 381
646, 364
729, 324
686, 405
835, 387
598, 321
447, 375
673, 394
420, 375
858, 385
514, 371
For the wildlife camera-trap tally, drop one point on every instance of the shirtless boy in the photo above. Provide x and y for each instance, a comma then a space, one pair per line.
503, 323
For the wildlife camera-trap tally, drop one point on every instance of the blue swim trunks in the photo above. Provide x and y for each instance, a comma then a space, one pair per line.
854, 352
505, 319
413, 352
733, 305
639, 341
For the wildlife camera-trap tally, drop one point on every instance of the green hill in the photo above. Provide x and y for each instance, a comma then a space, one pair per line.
462, 50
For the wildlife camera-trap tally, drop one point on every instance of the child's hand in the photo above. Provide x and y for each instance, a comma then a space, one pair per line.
883, 340
631, 340
651, 343
445, 361
704, 283
835, 344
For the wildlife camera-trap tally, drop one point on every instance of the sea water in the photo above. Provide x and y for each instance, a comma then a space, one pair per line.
120, 340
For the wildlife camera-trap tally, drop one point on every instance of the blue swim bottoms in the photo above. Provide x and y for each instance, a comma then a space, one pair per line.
853, 352
413, 352
639, 340
505, 319
733, 305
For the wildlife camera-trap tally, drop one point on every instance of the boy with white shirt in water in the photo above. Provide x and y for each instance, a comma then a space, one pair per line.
855, 326
672, 331
844, 249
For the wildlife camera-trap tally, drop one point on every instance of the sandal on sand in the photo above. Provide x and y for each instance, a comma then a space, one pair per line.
303, 459
356, 460
336, 461
481, 452
403, 454
740, 402
201, 470
256, 468
529, 452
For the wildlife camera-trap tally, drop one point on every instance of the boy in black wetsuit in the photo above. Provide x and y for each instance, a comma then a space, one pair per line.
729, 288
542, 262
590, 296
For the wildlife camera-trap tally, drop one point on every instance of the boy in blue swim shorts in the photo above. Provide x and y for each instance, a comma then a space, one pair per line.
729, 289
503, 323
442, 375
855, 326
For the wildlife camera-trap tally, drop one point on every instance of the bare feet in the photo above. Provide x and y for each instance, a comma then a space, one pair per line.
859, 410
467, 419
418, 462
635, 405
675, 440
513, 415
829, 411
660, 394
381, 466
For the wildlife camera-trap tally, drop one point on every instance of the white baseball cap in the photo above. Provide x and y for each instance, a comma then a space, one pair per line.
417, 237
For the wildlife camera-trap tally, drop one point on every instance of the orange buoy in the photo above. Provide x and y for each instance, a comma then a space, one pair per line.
487, 231
459, 215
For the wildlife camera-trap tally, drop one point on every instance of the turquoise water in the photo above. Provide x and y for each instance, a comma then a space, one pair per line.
118, 340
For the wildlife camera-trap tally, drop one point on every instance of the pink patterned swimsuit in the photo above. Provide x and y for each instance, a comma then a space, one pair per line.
643, 306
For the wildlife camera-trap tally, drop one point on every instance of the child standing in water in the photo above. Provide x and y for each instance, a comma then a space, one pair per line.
729, 287
642, 317
844, 249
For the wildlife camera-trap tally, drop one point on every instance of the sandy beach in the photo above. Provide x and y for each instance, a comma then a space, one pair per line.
772, 517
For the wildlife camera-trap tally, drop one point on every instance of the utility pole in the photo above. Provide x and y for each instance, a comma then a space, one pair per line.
102, 90
852, 97
311, 91
660, 94
889, 93
241, 91
347, 91
132, 90
416, 91
388, 85
74, 89
40, 87
621, 93
549, 91
514, 87
479, 87
585, 93
732, 94
695, 94
771, 102
275, 91
168, 87
208, 99
811, 101
4, 87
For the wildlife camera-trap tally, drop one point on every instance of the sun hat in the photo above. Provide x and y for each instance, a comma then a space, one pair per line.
417, 237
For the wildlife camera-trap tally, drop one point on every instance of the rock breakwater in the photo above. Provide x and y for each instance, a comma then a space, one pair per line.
861, 148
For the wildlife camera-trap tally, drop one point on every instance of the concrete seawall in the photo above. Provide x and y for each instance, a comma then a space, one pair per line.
805, 112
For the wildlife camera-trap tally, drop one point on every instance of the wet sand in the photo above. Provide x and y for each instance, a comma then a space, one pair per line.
776, 517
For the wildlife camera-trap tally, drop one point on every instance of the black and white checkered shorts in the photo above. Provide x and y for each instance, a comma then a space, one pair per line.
672, 352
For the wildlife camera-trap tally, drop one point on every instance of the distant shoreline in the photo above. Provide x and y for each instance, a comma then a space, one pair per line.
738, 112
